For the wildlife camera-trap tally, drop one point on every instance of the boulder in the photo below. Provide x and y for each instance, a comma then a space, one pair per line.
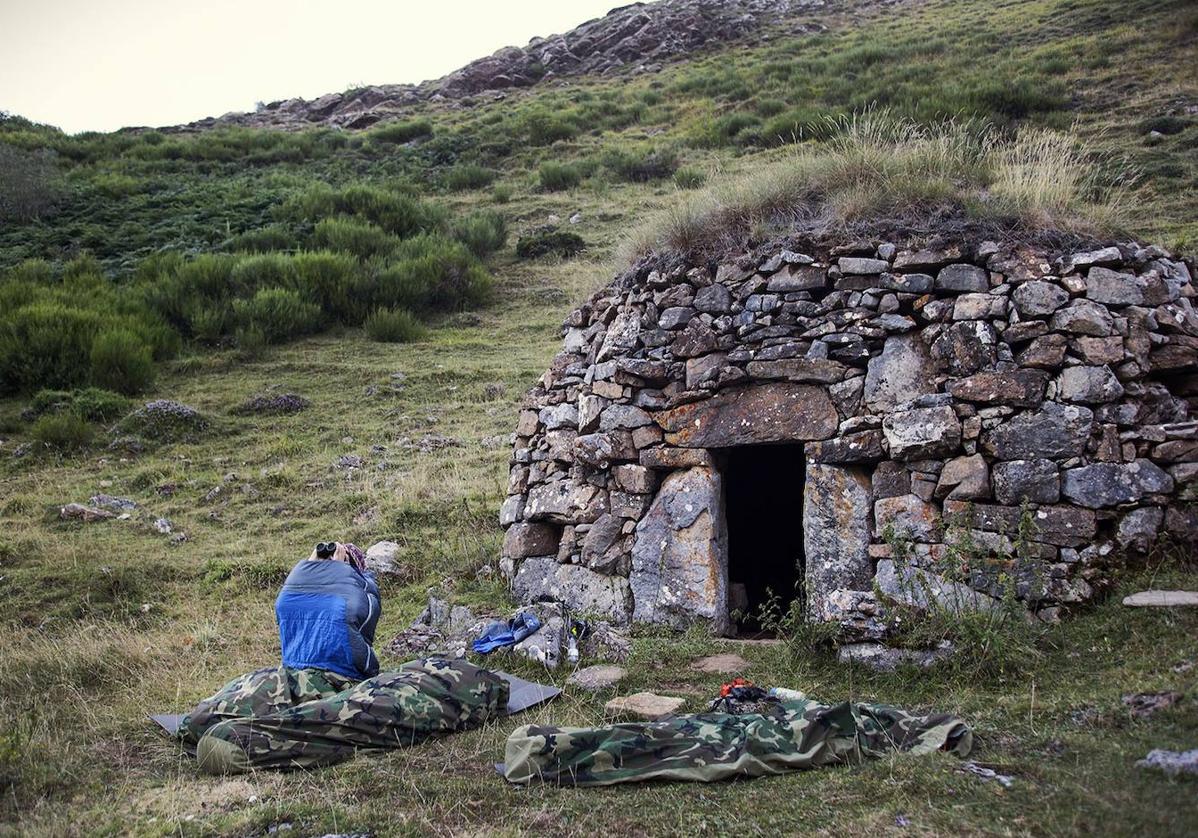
383, 556
779, 412
524, 540
966, 347
881, 658
1102, 485
920, 589
836, 527
578, 588
964, 478
1084, 317
1113, 288
1138, 528
922, 433
909, 517
679, 555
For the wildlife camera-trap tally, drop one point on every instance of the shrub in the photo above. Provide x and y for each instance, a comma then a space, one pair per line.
396, 133
280, 314
46, 344
468, 176
483, 232
690, 177
431, 272
97, 405
121, 361
264, 240
28, 184
501, 193
1164, 124
548, 240
346, 235
62, 432
736, 128
396, 212
641, 166
395, 325
334, 282
555, 177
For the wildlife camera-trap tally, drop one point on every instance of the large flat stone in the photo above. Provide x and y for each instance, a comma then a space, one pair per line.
524, 540
1161, 599
1020, 388
750, 415
576, 587
680, 554
836, 528
644, 705
918, 588
597, 678
1110, 484
922, 433
1063, 526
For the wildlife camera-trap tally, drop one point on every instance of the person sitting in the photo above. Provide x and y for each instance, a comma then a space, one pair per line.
328, 699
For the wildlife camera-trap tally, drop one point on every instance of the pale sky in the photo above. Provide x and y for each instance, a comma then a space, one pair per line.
99, 65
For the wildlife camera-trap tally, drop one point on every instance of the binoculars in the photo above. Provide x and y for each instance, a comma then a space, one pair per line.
325, 549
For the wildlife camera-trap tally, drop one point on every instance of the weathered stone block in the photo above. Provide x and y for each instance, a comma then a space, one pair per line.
799, 370
512, 510
1036, 481
1039, 299
966, 347
1110, 484
714, 299
565, 502
963, 278
602, 449
600, 546
1056, 431
794, 278
836, 527
1088, 385
581, 590
964, 478
908, 516
524, 540
859, 265
1113, 288
745, 416
902, 372
859, 447
679, 556
1020, 388
668, 459
1084, 317
1064, 526
636, 479
923, 432
920, 589
1138, 528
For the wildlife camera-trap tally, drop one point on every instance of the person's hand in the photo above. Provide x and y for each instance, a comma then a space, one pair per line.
340, 553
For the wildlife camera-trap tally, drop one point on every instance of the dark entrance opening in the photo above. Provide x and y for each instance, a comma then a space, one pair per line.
763, 505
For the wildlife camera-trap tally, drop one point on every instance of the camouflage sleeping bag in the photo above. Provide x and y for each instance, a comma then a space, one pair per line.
715, 746
288, 718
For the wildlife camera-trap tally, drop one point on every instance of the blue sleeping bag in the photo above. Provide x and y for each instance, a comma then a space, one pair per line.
327, 614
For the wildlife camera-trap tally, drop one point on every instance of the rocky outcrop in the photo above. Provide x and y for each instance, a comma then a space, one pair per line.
636, 38
979, 422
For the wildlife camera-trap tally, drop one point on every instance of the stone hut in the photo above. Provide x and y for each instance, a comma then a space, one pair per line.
857, 426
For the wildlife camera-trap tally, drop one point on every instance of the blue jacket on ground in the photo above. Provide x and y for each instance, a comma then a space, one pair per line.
327, 613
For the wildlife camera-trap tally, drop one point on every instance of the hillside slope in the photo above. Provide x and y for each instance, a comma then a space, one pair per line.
105, 622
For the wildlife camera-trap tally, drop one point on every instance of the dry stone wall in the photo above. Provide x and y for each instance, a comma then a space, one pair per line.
1021, 414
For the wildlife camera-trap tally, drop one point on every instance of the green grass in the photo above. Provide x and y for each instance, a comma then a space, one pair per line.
106, 622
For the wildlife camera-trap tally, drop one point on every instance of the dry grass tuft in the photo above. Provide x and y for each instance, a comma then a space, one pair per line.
880, 171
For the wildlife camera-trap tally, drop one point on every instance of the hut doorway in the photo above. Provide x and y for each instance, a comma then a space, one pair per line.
763, 503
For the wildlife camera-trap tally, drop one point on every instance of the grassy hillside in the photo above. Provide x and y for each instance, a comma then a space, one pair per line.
105, 622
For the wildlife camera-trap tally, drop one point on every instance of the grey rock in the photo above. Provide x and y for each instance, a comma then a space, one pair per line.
725, 664
1102, 485
1084, 317
910, 517
623, 417
922, 433
1056, 431
382, 557
1162, 599
966, 347
920, 589
679, 555
791, 279
543, 646
858, 265
622, 337
675, 317
1039, 298
565, 502
644, 705
1020, 388
524, 540
976, 306
1113, 288
714, 299
1088, 385
1173, 763
597, 678
836, 524
597, 547
1138, 528
964, 478
1103, 256
903, 371
559, 416
1036, 481
776, 412
882, 658
578, 588
963, 278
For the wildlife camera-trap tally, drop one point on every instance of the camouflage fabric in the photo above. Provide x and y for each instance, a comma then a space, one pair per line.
715, 746
391, 710
260, 693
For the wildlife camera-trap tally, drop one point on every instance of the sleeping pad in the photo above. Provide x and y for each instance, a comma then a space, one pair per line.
706, 747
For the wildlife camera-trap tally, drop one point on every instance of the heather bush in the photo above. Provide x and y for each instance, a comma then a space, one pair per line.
360, 238
280, 314
483, 232
394, 325
335, 282
121, 361
555, 177
63, 432
431, 272
544, 241
468, 176
395, 133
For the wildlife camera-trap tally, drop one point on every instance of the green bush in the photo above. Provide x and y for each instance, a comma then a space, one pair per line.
97, 405
546, 241
396, 133
483, 232
555, 177
280, 314
46, 344
261, 270
395, 325
346, 235
432, 272
62, 432
690, 177
121, 361
397, 212
264, 240
334, 282
501, 193
468, 176
641, 166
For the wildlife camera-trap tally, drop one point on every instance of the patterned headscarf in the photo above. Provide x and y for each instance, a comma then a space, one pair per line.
355, 556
